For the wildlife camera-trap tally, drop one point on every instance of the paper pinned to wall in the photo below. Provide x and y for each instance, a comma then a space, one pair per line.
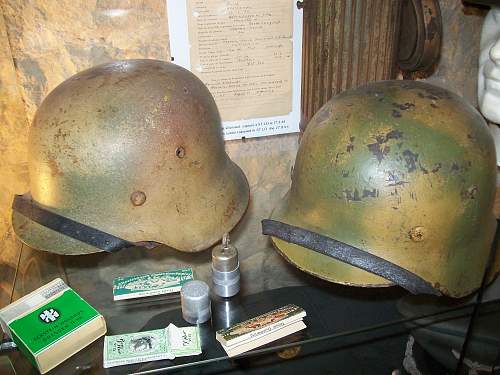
248, 53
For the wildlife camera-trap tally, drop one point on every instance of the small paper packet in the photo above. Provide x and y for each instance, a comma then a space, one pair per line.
184, 341
152, 284
155, 345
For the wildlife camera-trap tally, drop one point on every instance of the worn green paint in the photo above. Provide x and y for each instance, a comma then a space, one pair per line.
108, 132
404, 170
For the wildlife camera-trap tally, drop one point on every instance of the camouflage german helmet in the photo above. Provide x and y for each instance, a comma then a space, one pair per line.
394, 183
128, 152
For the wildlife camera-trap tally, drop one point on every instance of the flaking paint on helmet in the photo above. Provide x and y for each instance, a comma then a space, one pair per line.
403, 170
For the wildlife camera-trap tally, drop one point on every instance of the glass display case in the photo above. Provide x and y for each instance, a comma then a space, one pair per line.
349, 330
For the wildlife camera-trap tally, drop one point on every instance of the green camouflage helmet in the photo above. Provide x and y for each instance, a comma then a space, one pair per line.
403, 174
127, 152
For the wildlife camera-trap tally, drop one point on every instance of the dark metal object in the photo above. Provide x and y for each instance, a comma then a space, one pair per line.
7, 346
81, 232
346, 44
483, 2
420, 35
350, 255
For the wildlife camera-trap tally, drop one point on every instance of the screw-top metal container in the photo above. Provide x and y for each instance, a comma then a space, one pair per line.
225, 269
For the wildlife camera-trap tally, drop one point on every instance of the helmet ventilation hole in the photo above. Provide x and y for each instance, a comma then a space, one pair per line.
138, 198
180, 152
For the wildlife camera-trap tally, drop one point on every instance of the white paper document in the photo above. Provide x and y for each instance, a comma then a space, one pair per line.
248, 54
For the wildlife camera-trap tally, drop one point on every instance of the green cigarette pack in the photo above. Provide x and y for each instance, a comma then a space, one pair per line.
51, 324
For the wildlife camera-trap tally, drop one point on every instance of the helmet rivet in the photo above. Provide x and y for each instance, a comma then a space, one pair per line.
180, 152
138, 198
416, 234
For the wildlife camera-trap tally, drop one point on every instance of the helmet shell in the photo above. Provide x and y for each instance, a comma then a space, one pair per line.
133, 148
401, 169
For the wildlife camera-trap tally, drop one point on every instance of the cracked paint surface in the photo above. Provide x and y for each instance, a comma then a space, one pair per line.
415, 189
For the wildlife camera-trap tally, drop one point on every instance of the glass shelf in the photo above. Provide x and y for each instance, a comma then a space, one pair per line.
349, 330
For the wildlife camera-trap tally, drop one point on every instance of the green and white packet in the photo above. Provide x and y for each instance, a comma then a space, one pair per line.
151, 284
184, 341
137, 347
148, 346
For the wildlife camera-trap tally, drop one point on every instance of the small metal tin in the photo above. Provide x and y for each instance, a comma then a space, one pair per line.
195, 302
225, 269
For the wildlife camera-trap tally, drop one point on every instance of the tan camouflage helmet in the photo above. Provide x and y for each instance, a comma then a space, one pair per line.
394, 183
124, 153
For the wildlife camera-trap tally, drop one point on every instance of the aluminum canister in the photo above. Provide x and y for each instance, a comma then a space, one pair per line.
225, 269
195, 302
